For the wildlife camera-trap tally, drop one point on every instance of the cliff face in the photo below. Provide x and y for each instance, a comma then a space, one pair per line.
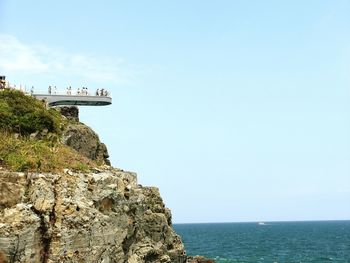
85, 141
82, 138
100, 216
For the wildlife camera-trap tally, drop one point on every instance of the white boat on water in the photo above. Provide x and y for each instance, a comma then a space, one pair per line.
261, 223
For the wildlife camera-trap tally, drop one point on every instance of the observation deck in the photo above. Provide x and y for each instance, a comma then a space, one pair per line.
54, 100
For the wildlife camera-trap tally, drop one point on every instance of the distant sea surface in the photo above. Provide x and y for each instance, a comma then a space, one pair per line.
319, 241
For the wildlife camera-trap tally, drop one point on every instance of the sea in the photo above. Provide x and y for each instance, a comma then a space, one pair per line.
309, 241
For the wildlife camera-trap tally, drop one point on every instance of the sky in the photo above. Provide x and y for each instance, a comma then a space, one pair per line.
236, 110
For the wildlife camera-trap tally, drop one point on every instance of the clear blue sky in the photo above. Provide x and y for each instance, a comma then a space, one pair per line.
236, 110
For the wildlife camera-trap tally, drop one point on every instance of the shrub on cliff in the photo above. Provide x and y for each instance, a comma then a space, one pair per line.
24, 114
21, 116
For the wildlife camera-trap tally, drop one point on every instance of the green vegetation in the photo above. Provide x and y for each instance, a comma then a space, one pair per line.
25, 115
22, 117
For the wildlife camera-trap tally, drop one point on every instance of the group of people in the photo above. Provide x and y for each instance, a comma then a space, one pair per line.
83, 91
53, 89
102, 92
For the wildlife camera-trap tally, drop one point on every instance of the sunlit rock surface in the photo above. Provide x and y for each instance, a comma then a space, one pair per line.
100, 216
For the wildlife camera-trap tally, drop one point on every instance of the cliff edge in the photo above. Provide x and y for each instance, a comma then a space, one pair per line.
100, 216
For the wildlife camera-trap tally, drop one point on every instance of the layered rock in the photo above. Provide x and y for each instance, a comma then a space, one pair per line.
100, 216
84, 140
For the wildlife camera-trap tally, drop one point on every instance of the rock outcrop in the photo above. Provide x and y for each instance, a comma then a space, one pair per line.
84, 140
100, 216
70, 112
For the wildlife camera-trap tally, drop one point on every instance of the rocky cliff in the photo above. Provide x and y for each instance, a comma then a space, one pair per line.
91, 212
100, 216
82, 138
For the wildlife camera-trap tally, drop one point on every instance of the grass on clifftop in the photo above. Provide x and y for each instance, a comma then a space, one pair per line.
25, 154
21, 116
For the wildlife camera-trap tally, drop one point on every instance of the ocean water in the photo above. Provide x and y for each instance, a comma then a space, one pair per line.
319, 241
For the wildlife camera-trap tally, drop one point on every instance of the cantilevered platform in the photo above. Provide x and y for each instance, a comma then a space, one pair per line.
78, 100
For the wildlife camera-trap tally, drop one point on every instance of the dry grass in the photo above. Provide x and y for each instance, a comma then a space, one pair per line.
19, 153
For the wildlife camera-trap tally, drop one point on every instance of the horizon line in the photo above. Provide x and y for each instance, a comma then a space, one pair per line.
271, 221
